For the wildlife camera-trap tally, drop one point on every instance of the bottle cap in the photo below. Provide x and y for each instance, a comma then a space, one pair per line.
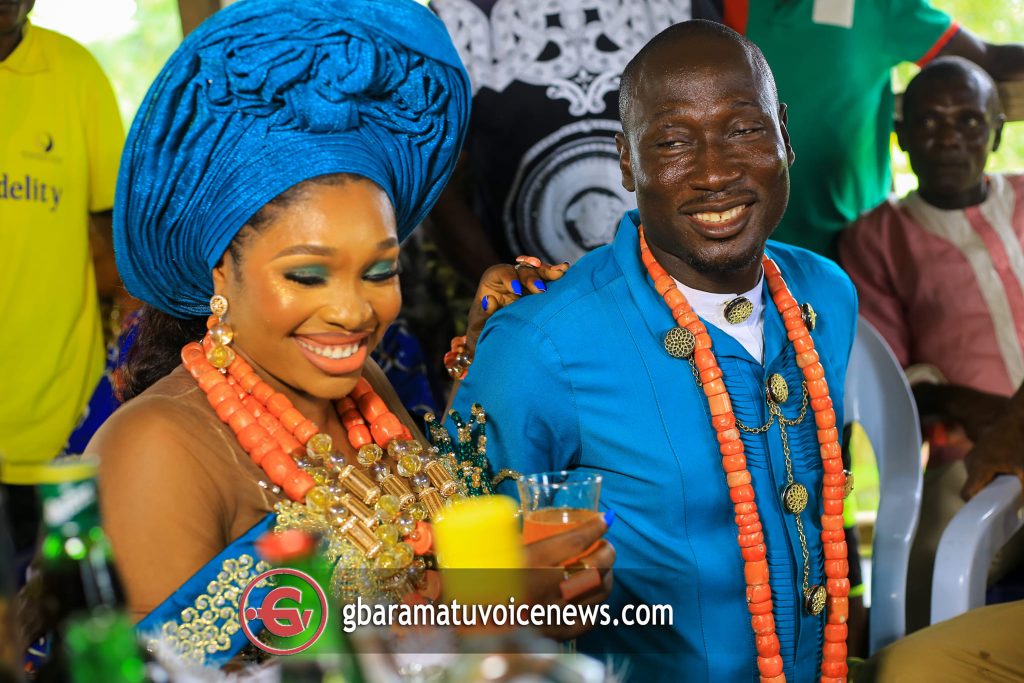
281, 547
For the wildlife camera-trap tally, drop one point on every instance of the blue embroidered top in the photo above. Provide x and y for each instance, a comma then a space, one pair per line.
579, 378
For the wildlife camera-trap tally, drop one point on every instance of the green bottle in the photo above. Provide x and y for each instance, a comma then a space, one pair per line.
331, 659
94, 641
8, 635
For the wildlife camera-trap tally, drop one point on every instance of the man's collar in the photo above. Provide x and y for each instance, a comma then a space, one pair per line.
712, 306
27, 58
626, 249
658, 318
996, 186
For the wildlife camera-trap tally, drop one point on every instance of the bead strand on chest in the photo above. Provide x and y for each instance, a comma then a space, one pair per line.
695, 343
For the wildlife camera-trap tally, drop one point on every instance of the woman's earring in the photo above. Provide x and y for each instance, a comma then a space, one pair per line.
219, 334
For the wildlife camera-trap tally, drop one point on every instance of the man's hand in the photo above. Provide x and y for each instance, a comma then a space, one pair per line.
999, 451
1002, 62
974, 410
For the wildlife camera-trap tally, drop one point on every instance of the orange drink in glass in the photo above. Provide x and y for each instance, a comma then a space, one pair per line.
539, 524
554, 502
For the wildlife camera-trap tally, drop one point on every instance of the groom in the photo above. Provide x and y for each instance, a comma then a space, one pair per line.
581, 377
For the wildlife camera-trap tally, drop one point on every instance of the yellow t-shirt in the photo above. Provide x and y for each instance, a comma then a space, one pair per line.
61, 143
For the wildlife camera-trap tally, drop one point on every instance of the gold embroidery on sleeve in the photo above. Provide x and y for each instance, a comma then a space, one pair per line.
206, 627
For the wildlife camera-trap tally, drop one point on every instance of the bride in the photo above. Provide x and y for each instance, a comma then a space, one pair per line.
272, 171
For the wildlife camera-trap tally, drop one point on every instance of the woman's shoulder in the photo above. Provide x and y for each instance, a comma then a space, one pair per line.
171, 399
167, 498
169, 419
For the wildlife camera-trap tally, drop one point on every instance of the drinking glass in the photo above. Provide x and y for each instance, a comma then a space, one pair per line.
554, 502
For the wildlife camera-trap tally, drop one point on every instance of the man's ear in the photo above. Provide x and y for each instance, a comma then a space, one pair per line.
622, 145
899, 127
790, 154
999, 121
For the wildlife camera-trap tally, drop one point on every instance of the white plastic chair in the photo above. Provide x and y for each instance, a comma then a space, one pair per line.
879, 398
968, 544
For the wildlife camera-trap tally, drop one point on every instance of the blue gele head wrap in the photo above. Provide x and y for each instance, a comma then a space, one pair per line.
264, 95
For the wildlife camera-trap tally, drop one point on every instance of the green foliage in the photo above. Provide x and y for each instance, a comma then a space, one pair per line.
995, 21
132, 60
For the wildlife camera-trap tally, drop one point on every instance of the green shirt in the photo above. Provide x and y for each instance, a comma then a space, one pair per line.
833, 71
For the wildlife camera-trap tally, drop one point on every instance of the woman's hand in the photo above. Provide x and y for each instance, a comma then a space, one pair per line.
574, 566
499, 286
503, 284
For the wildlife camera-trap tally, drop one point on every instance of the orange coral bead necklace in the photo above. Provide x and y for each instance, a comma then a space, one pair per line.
270, 429
751, 538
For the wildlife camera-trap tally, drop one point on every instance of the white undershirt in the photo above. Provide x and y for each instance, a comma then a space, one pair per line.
711, 307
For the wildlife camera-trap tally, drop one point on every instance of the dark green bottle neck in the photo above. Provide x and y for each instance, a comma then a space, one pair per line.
70, 508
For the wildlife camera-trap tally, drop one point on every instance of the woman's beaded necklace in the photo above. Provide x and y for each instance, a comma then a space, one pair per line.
301, 459
691, 340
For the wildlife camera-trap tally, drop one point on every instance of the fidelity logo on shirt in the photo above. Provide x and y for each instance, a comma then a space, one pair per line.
44, 141
41, 147
27, 188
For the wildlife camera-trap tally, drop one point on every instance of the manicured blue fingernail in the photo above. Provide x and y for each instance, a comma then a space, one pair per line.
483, 303
517, 288
539, 284
609, 517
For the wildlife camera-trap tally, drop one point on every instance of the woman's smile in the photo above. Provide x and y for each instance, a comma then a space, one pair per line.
334, 354
315, 288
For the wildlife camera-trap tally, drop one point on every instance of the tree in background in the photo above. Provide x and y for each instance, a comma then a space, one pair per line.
131, 51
